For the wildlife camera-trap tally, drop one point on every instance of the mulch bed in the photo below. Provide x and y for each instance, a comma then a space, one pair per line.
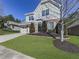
45, 34
40, 34
66, 46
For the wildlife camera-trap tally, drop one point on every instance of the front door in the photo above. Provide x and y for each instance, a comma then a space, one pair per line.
39, 27
44, 26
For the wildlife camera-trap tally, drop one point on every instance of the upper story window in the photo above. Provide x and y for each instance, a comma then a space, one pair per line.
45, 12
31, 18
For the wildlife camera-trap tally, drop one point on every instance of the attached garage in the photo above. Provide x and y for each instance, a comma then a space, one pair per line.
24, 30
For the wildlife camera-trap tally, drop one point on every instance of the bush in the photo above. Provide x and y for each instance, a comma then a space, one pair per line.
44, 26
32, 28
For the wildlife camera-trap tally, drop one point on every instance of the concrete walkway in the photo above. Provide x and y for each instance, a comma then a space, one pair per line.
4, 38
6, 53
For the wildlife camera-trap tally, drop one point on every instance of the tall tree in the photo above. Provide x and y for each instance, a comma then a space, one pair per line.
9, 18
1, 21
17, 20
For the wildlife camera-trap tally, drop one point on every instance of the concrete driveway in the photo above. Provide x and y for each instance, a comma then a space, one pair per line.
6, 53
4, 38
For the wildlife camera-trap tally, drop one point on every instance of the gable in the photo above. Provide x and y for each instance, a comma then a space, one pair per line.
52, 9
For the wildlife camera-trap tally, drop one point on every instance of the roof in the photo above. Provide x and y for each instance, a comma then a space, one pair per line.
54, 2
12, 22
30, 13
76, 23
43, 2
21, 26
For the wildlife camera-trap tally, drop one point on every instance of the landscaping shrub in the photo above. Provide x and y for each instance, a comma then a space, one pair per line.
44, 26
32, 28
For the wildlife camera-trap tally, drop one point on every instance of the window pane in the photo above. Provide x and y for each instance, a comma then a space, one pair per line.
31, 18
43, 13
47, 12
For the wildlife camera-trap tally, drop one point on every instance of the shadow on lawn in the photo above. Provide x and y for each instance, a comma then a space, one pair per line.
66, 46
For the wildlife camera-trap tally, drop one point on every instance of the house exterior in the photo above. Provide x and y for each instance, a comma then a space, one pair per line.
74, 28
45, 16
20, 27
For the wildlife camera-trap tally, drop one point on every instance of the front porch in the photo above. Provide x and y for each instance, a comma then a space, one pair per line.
41, 26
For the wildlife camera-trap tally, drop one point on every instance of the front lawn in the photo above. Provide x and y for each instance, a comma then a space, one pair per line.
40, 47
74, 40
4, 32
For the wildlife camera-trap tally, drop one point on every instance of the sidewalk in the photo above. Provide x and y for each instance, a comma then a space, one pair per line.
6, 53
4, 38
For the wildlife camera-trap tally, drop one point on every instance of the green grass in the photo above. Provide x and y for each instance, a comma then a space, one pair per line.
3, 32
40, 47
74, 40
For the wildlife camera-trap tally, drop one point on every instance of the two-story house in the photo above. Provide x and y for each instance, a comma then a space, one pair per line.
45, 16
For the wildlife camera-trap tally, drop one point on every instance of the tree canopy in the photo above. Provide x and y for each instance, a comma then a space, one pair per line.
4, 19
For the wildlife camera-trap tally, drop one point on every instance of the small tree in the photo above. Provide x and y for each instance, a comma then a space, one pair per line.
44, 26
32, 28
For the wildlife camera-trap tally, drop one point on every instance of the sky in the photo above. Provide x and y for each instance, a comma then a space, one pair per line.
70, 4
19, 7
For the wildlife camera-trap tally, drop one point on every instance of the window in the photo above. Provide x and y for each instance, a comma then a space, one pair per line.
50, 25
31, 18
45, 12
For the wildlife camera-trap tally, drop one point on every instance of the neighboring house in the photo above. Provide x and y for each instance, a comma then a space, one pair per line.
74, 28
73, 23
22, 28
46, 14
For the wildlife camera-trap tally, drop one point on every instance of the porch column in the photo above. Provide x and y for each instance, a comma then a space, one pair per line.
36, 27
47, 26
